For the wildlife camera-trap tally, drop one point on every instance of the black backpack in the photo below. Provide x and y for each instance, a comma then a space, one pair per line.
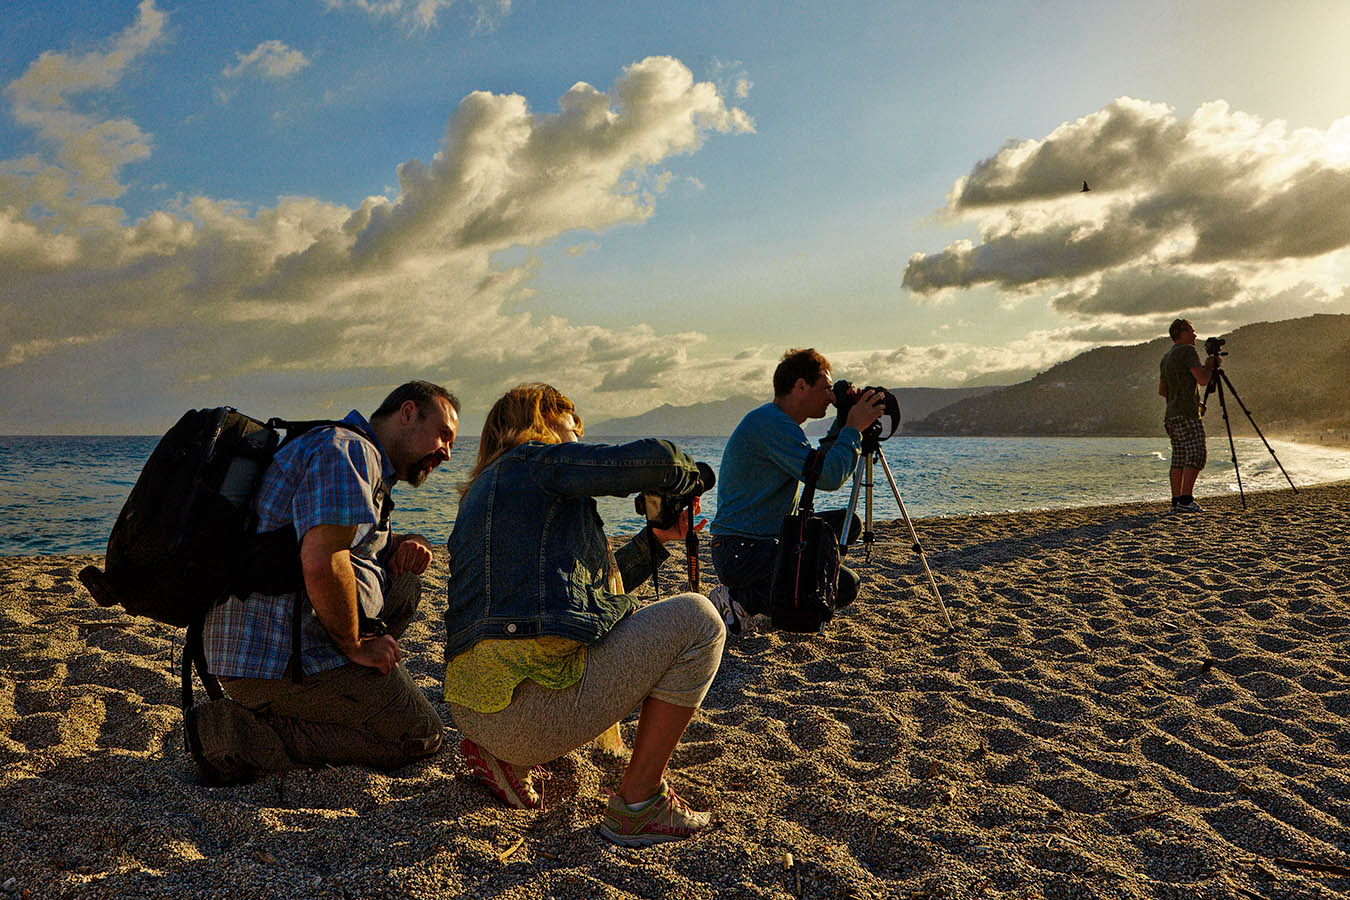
805, 582
184, 540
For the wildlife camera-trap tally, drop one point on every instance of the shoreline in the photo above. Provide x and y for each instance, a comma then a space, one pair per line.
1133, 704
1141, 505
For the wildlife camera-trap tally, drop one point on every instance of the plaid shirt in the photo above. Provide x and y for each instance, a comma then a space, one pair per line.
328, 476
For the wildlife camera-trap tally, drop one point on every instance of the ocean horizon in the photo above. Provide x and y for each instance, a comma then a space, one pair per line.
61, 495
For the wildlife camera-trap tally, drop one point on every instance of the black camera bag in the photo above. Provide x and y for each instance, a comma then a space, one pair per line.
805, 583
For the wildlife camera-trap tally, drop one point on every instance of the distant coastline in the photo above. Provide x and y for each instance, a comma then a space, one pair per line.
62, 495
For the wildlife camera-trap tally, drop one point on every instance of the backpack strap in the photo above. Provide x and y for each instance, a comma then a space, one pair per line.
296, 429
194, 657
815, 461
383, 495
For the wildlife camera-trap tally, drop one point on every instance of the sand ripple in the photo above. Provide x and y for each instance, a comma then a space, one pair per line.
1132, 705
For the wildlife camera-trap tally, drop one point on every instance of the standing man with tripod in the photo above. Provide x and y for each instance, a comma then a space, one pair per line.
760, 476
1181, 376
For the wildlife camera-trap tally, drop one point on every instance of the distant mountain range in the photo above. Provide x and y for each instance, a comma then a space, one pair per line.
720, 417
716, 417
1291, 375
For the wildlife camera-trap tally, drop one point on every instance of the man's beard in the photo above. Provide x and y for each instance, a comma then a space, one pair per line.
418, 471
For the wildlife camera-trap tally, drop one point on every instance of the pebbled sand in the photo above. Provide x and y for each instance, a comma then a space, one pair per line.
1132, 705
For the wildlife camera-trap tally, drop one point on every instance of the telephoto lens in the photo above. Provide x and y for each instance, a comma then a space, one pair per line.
662, 510
845, 395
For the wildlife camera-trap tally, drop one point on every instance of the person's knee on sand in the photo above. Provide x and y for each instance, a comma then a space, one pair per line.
349, 715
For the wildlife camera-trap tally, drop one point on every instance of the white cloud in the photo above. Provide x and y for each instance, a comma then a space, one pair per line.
583, 248
731, 78
208, 295
270, 59
53, 78
88, 151
1183, 213
422, 15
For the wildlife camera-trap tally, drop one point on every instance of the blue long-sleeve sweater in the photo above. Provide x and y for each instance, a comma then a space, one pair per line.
762, 467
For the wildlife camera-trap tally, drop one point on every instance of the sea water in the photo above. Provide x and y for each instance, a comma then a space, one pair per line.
61, 495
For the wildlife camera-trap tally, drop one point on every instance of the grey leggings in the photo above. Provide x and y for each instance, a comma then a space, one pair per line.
669, 650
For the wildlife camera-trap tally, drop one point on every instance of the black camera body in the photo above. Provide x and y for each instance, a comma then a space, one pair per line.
1213, 344
845, 395
662, 510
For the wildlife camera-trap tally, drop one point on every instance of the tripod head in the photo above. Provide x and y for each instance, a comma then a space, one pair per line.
1212, 346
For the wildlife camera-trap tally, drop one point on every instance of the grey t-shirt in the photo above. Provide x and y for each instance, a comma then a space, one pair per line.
1183, 394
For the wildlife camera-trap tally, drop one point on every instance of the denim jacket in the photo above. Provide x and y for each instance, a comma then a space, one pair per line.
528, 553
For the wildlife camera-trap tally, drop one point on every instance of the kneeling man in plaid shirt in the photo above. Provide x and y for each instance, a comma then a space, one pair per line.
321, 682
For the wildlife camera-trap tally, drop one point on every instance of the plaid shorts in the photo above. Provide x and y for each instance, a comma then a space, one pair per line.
1188, 441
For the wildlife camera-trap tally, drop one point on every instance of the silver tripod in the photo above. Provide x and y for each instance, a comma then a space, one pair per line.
862, 477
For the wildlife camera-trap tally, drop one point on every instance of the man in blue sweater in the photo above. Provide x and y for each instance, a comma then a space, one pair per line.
760, 476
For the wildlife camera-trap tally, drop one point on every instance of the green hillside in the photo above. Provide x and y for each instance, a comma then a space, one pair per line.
1292, 376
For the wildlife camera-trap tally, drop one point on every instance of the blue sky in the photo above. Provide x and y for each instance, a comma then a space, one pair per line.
292, 207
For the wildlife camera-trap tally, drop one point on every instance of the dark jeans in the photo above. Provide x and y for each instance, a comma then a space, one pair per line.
745, 566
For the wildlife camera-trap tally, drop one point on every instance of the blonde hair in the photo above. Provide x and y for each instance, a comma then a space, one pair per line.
524, 413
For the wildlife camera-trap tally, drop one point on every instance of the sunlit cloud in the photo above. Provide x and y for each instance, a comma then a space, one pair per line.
88, 150
951, 363
731, 78
210, 290
270, 59
1218, 212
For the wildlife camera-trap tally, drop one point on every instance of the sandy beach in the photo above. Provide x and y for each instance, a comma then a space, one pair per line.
1132, 704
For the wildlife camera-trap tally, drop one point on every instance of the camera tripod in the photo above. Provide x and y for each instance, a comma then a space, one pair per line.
862, 478
1217, 381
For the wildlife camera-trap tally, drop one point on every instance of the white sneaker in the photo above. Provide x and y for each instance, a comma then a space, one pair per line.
1189, 507
728, 609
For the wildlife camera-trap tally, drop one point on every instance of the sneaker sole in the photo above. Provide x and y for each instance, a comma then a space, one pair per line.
726, 609
640, 840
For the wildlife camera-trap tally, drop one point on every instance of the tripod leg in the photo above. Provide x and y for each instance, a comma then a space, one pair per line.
868, 535
1223, 405
852, 505
1232, 390
932, 582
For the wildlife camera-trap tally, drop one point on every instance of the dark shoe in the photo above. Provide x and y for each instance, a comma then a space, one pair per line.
209, 774
231, 744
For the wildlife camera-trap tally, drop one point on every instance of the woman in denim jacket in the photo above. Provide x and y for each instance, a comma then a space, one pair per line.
544, 649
